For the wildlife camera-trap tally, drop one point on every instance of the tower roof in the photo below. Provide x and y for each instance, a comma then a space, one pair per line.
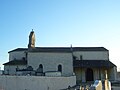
31, 39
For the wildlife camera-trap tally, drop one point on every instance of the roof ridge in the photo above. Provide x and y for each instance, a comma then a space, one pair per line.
59, 49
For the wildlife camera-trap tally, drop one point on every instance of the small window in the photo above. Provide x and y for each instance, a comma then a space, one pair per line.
74, 57
60, 68
8, 71
40, 68
17, 69
23, 58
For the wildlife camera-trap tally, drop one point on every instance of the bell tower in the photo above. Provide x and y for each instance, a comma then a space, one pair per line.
31, 43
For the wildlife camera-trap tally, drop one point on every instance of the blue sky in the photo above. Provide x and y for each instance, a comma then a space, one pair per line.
81, 23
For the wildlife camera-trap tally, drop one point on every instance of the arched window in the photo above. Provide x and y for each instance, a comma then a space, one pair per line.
40, 68
60, 68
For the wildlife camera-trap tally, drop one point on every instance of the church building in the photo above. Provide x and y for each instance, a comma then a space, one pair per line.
86, 63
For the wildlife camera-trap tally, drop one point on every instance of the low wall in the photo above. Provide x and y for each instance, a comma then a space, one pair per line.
35, 82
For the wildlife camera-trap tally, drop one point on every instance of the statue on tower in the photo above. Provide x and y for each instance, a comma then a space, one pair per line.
31, 39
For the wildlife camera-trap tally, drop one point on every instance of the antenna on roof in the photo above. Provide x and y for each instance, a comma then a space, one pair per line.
71, 50
71, 47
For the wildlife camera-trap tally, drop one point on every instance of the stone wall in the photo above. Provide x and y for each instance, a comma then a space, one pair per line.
92, 55
18, 55
50, 62
35, 83
11, 69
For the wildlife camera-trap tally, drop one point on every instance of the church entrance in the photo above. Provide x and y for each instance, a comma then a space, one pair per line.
89, 74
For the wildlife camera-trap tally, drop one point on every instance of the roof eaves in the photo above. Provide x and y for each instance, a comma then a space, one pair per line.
19, 49
93, 63
16, 62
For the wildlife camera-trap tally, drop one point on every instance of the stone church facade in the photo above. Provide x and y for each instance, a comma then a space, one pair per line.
86, 63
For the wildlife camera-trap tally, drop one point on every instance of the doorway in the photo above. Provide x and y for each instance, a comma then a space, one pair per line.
89, 74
